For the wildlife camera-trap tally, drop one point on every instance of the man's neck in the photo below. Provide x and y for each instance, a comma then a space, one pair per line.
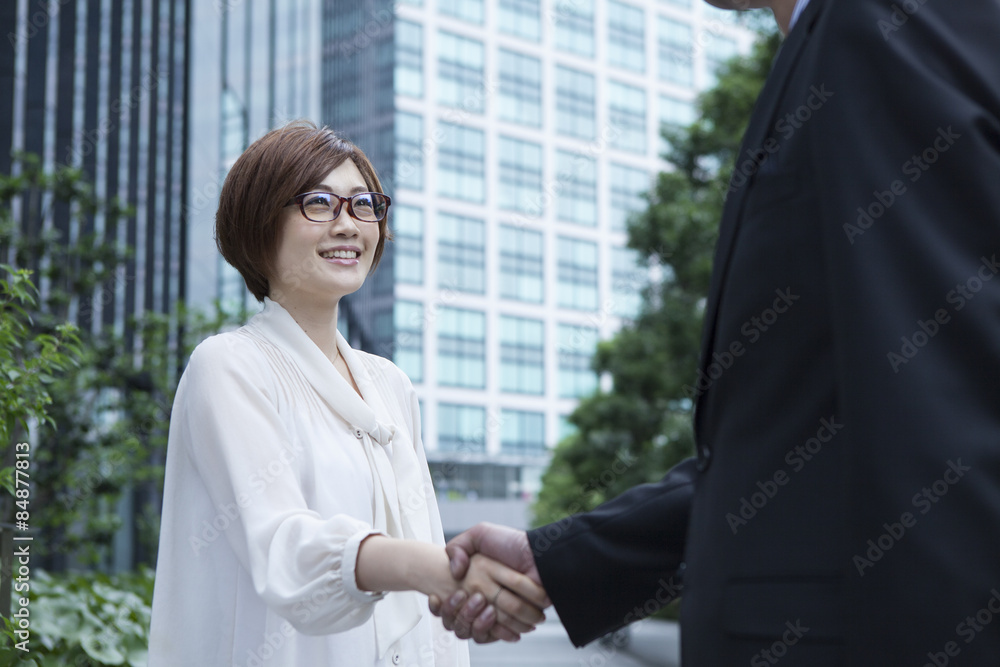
783, 10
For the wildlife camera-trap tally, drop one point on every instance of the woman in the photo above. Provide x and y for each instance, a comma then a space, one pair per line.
299, 520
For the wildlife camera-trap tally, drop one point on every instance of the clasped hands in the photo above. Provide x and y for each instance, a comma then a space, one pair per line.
498, 556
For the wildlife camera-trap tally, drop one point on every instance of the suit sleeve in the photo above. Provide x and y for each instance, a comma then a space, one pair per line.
618, 563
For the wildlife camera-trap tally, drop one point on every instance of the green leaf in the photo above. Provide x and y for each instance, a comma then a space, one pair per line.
7, 479
101, 649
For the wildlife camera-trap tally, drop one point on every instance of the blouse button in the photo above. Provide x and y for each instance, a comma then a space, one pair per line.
396, 659
357, 433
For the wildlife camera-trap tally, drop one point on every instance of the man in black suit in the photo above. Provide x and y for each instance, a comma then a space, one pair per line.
844, 505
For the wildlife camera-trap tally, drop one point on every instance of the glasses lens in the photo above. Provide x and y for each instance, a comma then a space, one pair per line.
369, 206
319, 206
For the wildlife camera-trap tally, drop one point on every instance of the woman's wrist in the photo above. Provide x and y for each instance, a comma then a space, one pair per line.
387, 564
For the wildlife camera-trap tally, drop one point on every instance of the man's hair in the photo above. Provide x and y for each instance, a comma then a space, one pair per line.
283, 163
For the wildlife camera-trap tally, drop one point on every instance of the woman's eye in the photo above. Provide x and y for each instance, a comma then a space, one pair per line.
317, 200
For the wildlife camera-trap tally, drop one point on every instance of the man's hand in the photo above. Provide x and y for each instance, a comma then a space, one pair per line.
474, 617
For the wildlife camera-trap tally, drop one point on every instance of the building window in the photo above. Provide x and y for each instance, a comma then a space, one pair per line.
522, 432
628, 279
714, 14
520, 176
574, 25
575, 105
520, 98
461, 348
627, 115
467, 10
718, 51
577, 274
566, 428
576, 347
520, 17
521, 252
460, 72
676, 44
408, 243
628, 186
674, 113
522, 355
461, 168
626, 36
461, 428
408, 351
409, 162
409, 58
577, 193
461, 253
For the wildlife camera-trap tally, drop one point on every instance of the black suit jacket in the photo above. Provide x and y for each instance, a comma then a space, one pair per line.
844, 508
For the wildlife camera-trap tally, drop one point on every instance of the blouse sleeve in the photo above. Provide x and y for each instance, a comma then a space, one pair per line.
302, 564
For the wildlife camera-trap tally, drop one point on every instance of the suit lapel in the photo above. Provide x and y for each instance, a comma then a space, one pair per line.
761, 120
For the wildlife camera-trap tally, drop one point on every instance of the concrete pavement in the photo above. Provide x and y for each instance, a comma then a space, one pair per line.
651, 643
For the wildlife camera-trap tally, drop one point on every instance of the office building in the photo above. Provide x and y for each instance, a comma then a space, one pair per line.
103, 86
524, 134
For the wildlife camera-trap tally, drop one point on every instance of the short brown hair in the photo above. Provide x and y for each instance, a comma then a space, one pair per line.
283, 163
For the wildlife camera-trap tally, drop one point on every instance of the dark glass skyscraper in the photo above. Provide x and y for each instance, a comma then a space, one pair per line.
103, 86
359, 103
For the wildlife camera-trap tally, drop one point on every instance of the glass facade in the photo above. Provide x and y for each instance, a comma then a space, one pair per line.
627, 115
409, 76
467, 10
628, 279
574, 26
461, 253
626, 188
520, 187
576, 106
525, 134
522, 355
718, 50
408, 243
577, 178
576, 347
676, 49
626, 36
522, 18
461, 348
461, 428
461, 163
676, 112
408, 350
577, 274
409, 162
520, 98
460, 72
522, 432
521, 264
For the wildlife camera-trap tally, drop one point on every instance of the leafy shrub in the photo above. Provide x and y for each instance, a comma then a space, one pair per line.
86, 620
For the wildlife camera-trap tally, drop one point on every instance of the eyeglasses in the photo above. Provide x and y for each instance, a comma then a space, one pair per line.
325, 206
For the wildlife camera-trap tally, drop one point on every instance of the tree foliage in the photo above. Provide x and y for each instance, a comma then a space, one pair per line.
633, 433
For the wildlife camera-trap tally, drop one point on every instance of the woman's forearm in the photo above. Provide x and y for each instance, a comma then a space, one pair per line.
388, 564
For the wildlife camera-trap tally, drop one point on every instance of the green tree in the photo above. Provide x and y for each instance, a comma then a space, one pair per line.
633, 433
27, 369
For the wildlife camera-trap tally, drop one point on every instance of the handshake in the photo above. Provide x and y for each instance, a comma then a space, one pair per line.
496, 565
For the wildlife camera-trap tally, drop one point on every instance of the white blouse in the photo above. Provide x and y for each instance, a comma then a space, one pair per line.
276, 471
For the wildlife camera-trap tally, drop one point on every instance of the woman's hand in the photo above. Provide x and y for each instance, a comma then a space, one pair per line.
386, 564
518, 601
